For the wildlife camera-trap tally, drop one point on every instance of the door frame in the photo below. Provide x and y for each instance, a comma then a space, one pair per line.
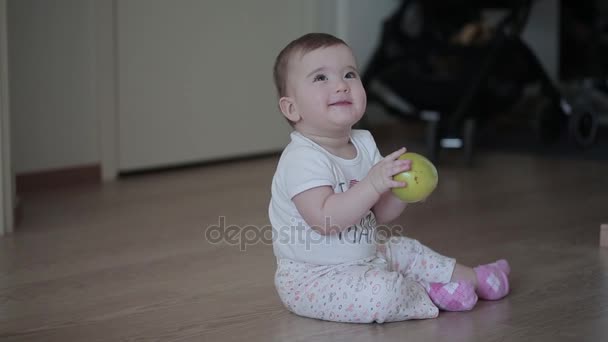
105, 73
7, 192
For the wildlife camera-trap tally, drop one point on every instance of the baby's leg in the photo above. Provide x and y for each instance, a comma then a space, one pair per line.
355, 293
410, 257
464, 273
434, 270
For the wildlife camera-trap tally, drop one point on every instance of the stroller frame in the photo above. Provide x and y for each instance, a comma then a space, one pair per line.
455, 126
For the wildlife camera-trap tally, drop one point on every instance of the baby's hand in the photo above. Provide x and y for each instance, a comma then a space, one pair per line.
381, 175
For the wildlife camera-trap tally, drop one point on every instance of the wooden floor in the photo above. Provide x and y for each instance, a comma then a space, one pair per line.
130, 261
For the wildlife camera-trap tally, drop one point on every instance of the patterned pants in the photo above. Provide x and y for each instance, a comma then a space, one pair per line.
386, 288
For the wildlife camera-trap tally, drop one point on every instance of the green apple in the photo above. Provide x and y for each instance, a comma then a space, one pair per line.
421, 179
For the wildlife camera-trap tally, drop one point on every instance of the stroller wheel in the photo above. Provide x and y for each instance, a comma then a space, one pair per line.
582, 126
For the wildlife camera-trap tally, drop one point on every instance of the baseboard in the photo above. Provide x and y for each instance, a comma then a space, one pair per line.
58, 178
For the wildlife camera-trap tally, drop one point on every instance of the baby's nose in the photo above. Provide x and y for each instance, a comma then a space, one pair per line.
342, 86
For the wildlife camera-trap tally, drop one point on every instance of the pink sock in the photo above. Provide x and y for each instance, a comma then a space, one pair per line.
492, 280
454, 296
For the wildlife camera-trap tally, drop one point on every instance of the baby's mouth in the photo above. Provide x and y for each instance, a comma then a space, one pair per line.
341, 103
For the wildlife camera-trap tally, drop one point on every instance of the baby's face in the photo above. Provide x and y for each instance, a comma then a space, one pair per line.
326, 90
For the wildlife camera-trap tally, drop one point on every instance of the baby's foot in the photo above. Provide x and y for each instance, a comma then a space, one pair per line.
454, 296
492, 280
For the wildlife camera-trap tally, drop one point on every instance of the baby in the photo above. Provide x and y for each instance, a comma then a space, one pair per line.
330, 192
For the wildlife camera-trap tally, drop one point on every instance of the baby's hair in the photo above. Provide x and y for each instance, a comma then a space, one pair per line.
306, 43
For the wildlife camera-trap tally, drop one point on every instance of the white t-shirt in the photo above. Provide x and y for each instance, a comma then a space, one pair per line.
305, 165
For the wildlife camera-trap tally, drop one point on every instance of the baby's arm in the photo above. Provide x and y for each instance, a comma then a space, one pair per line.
329, 213
388, 208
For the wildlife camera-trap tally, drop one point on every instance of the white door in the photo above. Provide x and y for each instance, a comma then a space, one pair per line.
195, 78
6, 174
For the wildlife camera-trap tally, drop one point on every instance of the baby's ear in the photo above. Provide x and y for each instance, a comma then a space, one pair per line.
289, 110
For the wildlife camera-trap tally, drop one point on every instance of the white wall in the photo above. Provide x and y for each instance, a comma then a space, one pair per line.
51, 56
542, 34
362, 23
359, 23
195, 78
326, 17
60, 104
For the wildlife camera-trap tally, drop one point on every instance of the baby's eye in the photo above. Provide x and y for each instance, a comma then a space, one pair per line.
351, 74
320, 77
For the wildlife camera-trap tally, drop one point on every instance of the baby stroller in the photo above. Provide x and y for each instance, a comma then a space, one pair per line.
438, 61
